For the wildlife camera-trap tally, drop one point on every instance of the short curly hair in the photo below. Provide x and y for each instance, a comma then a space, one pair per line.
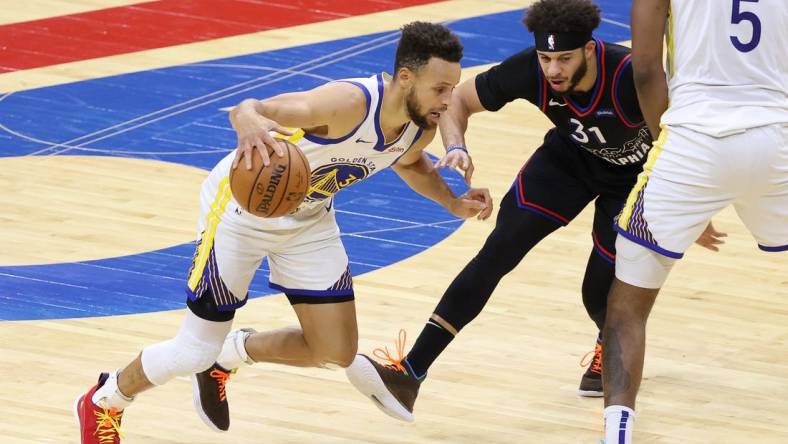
562, 16
421, 41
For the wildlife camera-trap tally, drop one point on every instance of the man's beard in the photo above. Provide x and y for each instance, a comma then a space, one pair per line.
576, 77
414, 113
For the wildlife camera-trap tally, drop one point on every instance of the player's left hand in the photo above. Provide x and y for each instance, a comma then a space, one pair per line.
475, 202
710, 238
457, 160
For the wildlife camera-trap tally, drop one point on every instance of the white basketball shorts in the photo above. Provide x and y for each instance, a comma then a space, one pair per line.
689, 177
305, 252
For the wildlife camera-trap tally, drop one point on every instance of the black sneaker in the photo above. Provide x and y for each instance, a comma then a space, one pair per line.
210, 397
390, 387
591, 382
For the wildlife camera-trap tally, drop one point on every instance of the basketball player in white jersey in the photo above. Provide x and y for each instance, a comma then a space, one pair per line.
348, 130
723, 139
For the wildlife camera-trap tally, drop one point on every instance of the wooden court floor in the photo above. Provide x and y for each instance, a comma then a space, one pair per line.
716, 365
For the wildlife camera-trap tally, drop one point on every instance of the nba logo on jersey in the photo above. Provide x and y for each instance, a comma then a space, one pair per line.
551, 42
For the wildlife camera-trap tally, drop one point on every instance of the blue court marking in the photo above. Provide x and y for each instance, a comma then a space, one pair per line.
174, 114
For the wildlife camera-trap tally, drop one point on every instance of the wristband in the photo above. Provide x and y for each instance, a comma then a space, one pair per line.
454, 147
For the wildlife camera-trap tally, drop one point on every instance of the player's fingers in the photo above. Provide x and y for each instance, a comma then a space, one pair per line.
273, 144
469, 174
474, 204
452, 162
282, 130
238, 155
246, 152
263, 150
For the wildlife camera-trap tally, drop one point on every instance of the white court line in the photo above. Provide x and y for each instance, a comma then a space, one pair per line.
259, 68
355, 213
230, 91
104, 267
209, 101
42, 280
410, 227
410, 244
614, 22
207, 125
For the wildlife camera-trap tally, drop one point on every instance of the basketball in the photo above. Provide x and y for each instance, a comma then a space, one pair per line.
275, 190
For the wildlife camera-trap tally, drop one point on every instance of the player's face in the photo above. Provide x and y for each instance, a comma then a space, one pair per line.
431, 92
563, 70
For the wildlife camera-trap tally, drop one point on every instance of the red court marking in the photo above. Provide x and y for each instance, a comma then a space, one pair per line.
163, 23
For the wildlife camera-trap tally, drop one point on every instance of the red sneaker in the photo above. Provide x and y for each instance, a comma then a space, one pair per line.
97, 425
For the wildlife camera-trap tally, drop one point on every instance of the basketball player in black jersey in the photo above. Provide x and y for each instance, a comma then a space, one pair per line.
594, 153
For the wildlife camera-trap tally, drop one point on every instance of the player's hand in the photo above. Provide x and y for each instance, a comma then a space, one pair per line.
254, 132
457, 159
475, 202
710, 238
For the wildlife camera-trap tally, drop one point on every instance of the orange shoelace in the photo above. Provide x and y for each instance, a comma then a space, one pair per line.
108, 425
221, 379
384, 355
596, 361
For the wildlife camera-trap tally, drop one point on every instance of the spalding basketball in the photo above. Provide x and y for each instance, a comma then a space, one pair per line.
274, 190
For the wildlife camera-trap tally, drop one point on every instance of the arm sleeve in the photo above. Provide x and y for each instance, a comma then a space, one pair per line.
515, 78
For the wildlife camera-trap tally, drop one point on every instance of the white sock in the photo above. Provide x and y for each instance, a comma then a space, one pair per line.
619, 422
109, 395
233, 354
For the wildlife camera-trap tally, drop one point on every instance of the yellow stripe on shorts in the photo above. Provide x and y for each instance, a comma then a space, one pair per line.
626, 213
211, 223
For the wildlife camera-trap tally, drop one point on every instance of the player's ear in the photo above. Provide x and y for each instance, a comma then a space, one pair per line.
405, 77
590, 48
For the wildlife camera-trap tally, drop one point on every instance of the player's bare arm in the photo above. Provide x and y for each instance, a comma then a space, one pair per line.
453, 124
648, 28
330, 110
416, 169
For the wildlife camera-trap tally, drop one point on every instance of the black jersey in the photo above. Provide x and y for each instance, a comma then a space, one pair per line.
606, 121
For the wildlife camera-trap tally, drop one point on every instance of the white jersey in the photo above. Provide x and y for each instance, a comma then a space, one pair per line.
340, 163
728, 65
304, 249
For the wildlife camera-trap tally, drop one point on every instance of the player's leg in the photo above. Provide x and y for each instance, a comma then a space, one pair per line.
327, 336
547, 195
764, 206
596, 285
223, 265
193, 349
684, 183
312, 269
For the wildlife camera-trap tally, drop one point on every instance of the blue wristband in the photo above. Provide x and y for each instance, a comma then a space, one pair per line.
454, 147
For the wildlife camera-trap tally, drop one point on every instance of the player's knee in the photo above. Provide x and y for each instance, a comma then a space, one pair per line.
180, 356
335, 356
640, 266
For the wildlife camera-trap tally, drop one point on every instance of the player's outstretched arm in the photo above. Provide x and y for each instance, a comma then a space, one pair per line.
453, 124
416, 169
333, 108
648, 29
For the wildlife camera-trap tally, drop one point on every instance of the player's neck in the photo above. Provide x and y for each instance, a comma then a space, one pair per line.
393, 111
588, 81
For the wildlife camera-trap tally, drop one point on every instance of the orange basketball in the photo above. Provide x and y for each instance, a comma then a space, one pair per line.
275, 190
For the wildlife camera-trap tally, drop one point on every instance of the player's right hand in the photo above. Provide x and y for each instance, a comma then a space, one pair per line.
457, 159
254, 132
710, 238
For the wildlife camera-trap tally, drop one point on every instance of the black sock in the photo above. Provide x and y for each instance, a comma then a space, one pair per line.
429, 345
